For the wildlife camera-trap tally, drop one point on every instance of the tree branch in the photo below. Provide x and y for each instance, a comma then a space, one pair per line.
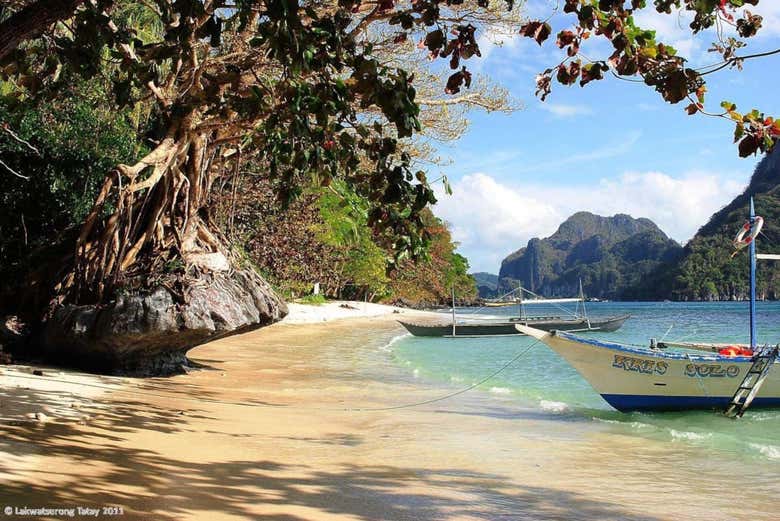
14, 172
10, 132
474, 98
32, 21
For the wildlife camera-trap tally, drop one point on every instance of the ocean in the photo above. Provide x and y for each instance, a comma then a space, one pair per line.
543, 382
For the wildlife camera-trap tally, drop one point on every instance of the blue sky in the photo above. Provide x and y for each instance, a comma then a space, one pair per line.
611, 147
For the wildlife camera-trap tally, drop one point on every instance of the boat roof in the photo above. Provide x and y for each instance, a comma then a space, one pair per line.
647, 351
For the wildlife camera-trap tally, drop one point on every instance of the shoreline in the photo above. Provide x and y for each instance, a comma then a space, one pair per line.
286, 422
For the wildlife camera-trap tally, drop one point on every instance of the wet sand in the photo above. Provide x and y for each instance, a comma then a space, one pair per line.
284, 425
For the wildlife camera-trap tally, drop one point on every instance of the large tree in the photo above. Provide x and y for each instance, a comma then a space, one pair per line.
296, 88
301, 88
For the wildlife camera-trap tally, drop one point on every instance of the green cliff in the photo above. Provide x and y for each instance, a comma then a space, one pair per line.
706, 270
487, 284
609, 254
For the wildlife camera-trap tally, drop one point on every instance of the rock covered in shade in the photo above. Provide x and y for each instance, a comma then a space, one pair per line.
150, 332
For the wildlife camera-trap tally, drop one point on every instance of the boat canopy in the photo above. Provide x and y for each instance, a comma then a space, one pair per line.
550, 301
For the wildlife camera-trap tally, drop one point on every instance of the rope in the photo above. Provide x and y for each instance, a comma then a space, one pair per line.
698, 377
140, 391
456, 393
765, 236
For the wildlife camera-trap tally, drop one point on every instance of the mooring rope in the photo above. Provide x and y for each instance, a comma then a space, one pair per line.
456, 393
142, 392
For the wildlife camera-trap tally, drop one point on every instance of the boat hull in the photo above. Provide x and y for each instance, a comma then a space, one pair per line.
508, 328
634, 379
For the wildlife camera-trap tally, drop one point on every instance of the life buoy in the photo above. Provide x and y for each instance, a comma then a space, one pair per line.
747, 233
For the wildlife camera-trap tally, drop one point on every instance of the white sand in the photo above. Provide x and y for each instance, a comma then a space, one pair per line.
336, 310
58, 394
62, 395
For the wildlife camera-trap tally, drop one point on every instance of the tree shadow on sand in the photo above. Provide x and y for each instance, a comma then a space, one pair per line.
151, 485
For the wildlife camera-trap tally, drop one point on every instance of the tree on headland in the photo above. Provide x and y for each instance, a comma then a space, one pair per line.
308, 91
312, 93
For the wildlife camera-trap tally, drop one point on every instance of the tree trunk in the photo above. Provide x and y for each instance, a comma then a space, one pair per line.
32, 21
158, 217
151, 278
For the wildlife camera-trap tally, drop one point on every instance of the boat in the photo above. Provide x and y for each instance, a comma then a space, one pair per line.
506, 326
655, 378
500, 303
479, 325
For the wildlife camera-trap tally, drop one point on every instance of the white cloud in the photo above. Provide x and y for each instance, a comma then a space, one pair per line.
491, 219
562, 110
675, 30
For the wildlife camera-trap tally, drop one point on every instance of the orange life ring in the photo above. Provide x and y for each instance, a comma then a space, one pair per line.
748, 233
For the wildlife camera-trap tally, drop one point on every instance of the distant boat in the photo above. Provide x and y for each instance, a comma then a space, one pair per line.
652, 379
500, 303
506, 326
476, 325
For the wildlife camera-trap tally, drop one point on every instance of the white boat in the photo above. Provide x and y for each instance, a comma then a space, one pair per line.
652, 379
639, 379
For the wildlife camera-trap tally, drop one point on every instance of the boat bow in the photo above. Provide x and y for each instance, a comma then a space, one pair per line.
641, 379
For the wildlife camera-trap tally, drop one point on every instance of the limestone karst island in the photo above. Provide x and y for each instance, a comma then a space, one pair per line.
379, 260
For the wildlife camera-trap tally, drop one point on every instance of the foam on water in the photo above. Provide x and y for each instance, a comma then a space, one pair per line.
541, 379
770, 451
389, 346
551, 406
689, 436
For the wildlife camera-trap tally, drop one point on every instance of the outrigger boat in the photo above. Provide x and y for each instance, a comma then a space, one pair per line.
654, 379
480, 325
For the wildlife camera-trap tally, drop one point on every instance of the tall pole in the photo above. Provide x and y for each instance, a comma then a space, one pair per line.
522, 311
453, 310
752, 279
582, 301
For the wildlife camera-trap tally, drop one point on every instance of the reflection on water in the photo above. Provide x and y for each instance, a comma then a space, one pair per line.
543, 381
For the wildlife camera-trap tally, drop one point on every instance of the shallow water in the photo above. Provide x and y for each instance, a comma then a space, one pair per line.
541, 380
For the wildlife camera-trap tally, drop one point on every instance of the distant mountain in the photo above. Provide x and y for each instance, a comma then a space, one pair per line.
706, 270
487, 284
609, 254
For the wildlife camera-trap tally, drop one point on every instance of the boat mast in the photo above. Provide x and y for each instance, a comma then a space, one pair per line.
522, 312
453, 310
582, 300
752, 279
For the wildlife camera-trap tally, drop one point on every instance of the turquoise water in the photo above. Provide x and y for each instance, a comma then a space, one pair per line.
543, 381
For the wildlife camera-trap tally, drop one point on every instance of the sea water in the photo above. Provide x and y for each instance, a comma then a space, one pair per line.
543, 381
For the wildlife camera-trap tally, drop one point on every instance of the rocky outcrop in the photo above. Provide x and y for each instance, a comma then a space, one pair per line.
608, 254
149, 333
487, 284
706, 269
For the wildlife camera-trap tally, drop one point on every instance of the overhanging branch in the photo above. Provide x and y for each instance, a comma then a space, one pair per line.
32, 21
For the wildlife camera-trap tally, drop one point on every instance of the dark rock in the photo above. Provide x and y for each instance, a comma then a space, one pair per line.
150, 333
38, 372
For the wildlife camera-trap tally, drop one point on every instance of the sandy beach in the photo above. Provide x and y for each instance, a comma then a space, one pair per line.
308, 419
